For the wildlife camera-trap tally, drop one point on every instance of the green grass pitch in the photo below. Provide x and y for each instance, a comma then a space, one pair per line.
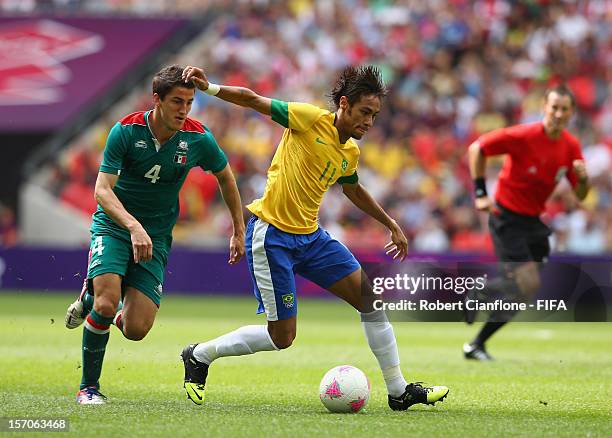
550, 379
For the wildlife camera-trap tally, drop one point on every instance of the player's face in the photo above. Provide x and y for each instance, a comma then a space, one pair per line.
361, 115
558, 110
174, 107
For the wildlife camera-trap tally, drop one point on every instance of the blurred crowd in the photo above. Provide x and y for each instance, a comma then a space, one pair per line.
131, 7
455, 70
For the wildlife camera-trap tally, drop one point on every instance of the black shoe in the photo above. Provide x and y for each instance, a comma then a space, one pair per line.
476, 352
195, 375
416, 393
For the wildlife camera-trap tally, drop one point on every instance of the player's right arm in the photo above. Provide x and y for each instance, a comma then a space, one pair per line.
237, 95
478, 164
112, 163
141, 242
497, 142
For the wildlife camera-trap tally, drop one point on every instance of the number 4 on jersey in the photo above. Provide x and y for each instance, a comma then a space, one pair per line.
153, 173
98, 247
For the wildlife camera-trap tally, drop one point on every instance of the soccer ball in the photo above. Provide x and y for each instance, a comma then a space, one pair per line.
344, 389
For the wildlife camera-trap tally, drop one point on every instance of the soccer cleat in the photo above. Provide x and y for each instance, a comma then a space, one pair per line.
416, 393
476, 352
195, 375
76, 313
90, 396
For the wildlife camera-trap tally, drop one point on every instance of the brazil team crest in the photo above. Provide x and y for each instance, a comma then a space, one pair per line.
288, 300
344, 165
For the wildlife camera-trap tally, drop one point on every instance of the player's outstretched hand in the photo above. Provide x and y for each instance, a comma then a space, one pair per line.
141, 245
197, 76
580, 170
483, 203
399, 244
236, 249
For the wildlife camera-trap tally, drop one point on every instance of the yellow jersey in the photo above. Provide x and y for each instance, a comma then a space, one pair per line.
307, 161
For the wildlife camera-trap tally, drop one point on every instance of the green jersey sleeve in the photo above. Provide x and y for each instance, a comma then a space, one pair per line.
115, 150
213, 158
349, 179
295, 115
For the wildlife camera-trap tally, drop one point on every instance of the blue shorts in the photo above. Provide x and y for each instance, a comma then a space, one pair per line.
275, 256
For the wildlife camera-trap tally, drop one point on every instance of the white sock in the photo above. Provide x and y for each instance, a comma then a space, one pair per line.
381, 339
245, 340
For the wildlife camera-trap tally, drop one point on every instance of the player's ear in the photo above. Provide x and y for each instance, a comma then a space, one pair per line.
344, 103
156, 99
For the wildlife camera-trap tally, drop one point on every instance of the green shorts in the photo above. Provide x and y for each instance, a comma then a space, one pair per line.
114, 254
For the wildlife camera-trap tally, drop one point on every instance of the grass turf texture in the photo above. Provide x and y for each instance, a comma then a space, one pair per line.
550, 379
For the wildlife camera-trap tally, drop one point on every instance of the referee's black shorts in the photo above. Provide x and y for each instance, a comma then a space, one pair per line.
518, 238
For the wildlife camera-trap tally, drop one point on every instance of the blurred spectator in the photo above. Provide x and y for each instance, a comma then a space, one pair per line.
455, 70
8, 227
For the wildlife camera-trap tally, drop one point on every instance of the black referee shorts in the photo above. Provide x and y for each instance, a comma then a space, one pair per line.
518, 238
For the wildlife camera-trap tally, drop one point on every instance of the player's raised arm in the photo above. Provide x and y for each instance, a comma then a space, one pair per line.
231, 196
112, 206
478, 164
236, 95
359, 196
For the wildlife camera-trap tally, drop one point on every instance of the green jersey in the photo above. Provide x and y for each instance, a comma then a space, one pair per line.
151, 175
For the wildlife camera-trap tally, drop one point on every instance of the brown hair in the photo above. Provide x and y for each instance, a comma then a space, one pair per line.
168, 78
561, 90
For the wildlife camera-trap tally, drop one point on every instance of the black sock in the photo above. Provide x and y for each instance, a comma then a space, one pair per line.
486, 332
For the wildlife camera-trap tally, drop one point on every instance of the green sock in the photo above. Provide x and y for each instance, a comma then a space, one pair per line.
95, 337
88, 301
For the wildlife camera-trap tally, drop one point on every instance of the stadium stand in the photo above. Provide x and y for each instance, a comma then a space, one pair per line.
456, 69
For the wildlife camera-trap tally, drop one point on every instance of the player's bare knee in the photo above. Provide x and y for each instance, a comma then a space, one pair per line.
135, 333
105, 306
134, 336
284, 340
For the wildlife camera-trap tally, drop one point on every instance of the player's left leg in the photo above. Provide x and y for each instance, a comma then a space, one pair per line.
356, 290
332, 266
268, 252
142, 293
509, 236
521, 246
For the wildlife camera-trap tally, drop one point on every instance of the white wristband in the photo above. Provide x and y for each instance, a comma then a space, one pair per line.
212, 89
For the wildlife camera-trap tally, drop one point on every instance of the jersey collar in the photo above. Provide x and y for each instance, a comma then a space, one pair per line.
158, 145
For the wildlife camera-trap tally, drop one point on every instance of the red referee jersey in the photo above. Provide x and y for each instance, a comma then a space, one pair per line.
534, 165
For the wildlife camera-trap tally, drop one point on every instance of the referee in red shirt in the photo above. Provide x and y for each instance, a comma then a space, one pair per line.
538, 156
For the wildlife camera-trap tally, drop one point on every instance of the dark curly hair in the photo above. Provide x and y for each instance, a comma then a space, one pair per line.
168, 78
355, 82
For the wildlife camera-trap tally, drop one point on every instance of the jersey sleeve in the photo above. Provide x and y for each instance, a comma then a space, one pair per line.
295, 115
115, 150
350, 174
349, 179
213, 158
501, 141
574, 154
